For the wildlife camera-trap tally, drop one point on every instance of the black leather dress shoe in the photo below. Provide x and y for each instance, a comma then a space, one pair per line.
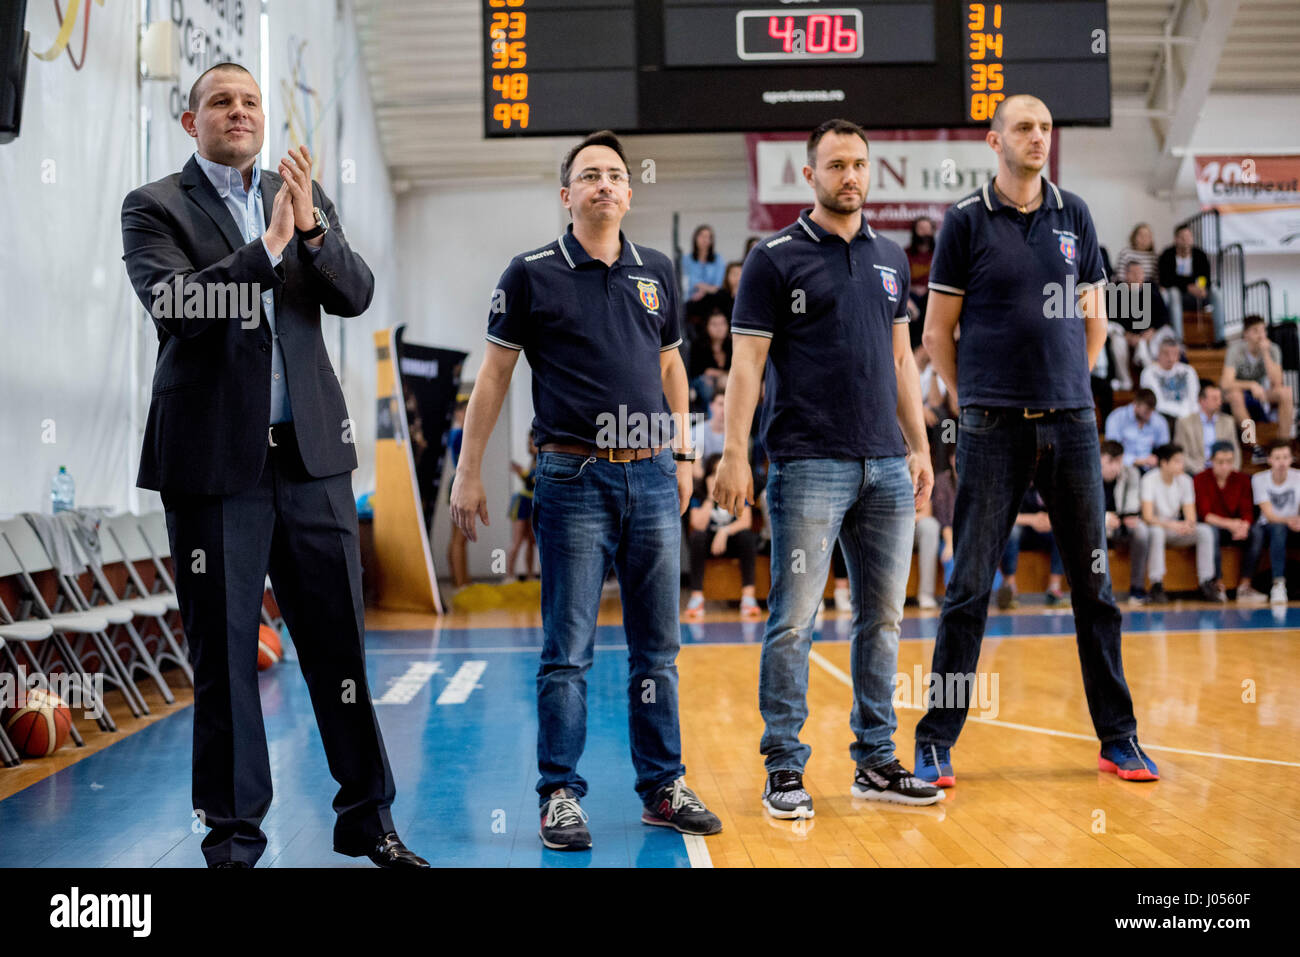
231, 864
391, 852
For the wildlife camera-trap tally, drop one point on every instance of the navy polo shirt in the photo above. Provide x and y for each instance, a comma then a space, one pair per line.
829, 308
592, 334
1022, 342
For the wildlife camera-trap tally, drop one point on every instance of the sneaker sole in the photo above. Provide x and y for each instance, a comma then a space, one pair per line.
1139, 774
656, 821
781, 815
943, 781
565, 847
891, 797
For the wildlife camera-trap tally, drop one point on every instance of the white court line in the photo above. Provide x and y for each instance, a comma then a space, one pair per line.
697, 850
843, 678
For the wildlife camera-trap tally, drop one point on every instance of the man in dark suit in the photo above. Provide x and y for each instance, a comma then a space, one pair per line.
248, 441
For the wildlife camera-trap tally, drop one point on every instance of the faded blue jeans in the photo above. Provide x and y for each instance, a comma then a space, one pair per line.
590, 514
868, 504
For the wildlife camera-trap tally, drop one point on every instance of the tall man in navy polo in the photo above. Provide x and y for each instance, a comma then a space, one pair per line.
1011, 261
597, 317
824, 304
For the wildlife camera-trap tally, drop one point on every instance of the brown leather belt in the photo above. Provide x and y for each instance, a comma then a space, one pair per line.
610, 455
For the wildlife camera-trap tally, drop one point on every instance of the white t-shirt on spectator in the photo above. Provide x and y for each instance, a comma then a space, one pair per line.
927, 375
1168, 500
1284, 498
1175, 390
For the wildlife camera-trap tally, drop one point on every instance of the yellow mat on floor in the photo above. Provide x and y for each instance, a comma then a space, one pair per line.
480, 596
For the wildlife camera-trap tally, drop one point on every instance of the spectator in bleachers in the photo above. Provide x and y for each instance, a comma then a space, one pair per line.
710, 360
920, 252
937, 407
1277, 493
1140, 319
1209, 424
1136, 427
702, 268
1224, 501
707, 439
750, 243
1184, 269
724, 300
1032, 532
1174, 383
1141, 249
934, 525
1124, 526
1169, 510
1103, 378
1252, 379
714, 532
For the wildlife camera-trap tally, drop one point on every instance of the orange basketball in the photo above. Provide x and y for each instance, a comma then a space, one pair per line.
268, 647
40, 727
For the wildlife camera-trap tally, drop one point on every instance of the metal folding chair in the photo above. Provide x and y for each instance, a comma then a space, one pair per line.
8, 753
24, 554
123, 532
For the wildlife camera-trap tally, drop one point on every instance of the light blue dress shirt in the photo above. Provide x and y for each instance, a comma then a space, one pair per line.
246, 208
1138, 440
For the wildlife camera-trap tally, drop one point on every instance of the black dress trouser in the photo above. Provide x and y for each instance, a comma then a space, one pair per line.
302, 530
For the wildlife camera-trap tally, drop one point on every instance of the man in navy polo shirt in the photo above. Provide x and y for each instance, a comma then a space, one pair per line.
597, 317
1010, 263
824, 304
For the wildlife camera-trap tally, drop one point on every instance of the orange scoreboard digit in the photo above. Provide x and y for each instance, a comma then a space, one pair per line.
507, 28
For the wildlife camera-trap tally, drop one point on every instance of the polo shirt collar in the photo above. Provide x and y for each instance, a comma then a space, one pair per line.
227, 179
993, 202
817, 234
576, 256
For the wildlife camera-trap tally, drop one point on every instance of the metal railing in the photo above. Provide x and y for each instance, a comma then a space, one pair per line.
1232, 287
1257, 299
1205, 234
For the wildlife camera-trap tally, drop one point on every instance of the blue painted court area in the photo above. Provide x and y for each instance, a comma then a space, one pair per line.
458, 713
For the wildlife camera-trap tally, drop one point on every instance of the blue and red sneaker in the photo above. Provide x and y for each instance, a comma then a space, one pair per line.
933, 764
1127, 759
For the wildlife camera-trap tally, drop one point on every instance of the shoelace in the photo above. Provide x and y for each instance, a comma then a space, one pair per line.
1133, 751
684, 797
789, 784
934, 754
895, 772
565, 812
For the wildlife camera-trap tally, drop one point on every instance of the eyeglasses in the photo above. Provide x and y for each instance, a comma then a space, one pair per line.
591, 177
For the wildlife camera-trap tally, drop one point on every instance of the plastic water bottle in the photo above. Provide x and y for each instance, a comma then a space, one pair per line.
62, 490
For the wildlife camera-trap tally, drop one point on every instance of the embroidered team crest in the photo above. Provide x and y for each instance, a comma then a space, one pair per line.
1067, 248
890, 282
649, 295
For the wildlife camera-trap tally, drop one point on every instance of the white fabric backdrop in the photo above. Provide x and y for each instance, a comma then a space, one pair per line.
67, 307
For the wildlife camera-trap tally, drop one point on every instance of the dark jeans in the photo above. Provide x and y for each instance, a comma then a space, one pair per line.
1271, 535
590, 514
742, 545
998, 453
1024, 538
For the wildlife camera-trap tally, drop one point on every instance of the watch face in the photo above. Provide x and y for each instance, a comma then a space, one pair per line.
321, 221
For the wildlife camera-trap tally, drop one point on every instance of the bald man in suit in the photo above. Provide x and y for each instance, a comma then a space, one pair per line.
249, 443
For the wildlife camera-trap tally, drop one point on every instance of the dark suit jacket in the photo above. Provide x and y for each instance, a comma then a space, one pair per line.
1167, 268
207, 427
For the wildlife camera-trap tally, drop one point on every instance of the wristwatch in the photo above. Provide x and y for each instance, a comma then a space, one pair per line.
690, 456
320, 229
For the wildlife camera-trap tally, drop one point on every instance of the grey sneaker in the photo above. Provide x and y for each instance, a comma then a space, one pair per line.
784, 795
677, 806
894, 784
564, 823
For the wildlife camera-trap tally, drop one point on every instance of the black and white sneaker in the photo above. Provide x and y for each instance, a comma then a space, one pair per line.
564, 823
675, 805
894, 784
784, 795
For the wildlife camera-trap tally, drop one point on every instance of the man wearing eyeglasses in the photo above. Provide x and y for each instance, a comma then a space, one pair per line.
596, 316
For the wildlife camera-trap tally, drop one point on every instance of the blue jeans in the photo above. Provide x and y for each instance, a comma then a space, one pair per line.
998, 453
1024, 538
1177, 305
1273, 537
868, 504
590, 514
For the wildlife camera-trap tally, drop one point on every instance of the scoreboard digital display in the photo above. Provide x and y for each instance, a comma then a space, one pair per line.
677, 66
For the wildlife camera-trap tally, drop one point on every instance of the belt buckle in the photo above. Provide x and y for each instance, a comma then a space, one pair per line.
613, 455
270, 436
1033, 415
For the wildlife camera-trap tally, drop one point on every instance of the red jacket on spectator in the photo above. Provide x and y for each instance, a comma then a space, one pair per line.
1234, 500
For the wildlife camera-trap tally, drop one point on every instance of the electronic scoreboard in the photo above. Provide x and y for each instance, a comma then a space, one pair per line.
677, 66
